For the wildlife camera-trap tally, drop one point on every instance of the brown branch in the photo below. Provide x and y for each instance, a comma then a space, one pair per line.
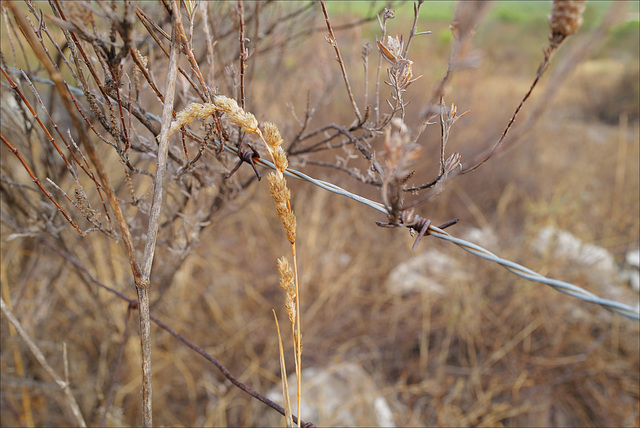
333, 42
598, 37
132, 303
150, 25
15, 151
63, 91
243, 52
227, 374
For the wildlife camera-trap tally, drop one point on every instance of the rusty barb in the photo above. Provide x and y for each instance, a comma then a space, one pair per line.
416, 224
246, 153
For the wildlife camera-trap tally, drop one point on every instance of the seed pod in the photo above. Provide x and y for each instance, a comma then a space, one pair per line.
566, 17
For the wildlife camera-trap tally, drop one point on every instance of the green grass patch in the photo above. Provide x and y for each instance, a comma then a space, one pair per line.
514, 11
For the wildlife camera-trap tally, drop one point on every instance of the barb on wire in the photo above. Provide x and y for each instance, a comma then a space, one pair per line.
515, 268
562, 286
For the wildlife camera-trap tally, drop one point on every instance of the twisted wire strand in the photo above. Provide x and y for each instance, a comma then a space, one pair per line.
524, 272
515, 268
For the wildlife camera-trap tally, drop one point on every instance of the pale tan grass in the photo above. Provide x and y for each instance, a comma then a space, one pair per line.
428, 351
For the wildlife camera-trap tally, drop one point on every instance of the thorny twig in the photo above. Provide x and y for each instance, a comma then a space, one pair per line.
556, 38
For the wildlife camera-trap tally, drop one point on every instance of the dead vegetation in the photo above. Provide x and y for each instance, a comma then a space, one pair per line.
83, 131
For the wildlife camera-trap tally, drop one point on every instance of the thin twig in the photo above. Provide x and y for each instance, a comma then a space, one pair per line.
133, 303
116, 369
243, 52
65, 96
413, 33
333, 42
62, 384
35, 179
544, 65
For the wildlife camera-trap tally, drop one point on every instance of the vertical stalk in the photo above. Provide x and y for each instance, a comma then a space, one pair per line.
143, 287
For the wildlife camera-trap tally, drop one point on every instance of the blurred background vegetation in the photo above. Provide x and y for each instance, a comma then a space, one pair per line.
488, 348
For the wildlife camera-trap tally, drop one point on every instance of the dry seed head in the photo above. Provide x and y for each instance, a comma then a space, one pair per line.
281, 196
237, 115
290, 307
83, 204
290, 226
392, 50
143, 59
566, 17
190, 113
226, 104
244, 120
272, 134
287, 283
278, 188
399, 151
280, 159
286, 275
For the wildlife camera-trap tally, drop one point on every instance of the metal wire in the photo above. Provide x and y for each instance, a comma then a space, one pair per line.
522, 271
517, 269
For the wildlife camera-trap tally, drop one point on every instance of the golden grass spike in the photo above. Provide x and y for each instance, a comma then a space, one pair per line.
272, 134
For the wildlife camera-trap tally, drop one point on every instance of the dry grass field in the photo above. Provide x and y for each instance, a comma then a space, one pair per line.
484, 347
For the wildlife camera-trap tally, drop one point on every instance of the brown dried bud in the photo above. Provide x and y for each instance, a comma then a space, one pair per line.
566, 17
392, 50
84, 206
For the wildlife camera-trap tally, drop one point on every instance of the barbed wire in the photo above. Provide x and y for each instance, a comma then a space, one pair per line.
515, 268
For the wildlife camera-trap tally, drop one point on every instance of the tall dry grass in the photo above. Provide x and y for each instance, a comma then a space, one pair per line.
491, 350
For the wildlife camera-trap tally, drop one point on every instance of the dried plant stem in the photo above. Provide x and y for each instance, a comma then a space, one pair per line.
332, 40
383, 28
163, 149
544, 65
281, 194
243, 52
62, 89
143, 286
35, 179
413, 33
62, 383
27, 410
296, 331
565, 19
286, 400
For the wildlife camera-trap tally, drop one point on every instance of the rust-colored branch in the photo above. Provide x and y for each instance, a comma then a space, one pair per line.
15, 151
62, 89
